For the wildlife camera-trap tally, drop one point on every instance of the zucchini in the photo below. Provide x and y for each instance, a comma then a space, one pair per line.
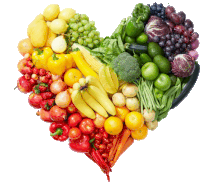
136, 48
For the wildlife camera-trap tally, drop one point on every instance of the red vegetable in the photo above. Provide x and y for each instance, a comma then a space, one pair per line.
74, 133
47, 104
87, 126
44, 115
35, 100
71, 108
59, 131
24, 85
47, 95
80, 145
74, 119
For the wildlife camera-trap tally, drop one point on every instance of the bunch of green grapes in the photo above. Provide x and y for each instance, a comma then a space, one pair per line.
83, 31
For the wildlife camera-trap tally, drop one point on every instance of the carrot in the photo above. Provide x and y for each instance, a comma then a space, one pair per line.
125, 136
113, 149
128, 143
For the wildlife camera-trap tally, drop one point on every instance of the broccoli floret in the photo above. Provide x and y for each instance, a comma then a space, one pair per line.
126, 67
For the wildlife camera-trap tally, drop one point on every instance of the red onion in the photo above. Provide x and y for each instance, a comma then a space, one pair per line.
194, 54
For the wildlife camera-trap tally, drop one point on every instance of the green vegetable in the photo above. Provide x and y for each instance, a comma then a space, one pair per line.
142, 11
142, 38
119, 30
126, 67
129, 40
138, 59
134, 27
145, 58
154, 49
158, 93
136, 48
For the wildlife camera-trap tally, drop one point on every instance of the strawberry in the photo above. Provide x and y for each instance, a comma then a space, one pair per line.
47, 104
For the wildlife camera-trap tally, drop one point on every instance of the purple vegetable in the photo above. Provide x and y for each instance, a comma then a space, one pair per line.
195, 44
194, 54
156, 27
183, 65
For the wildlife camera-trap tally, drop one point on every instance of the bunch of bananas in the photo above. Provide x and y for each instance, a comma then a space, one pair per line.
108, 79
89, 96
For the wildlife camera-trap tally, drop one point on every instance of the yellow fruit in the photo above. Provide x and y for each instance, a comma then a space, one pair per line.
121, 112
51, 36
99, 121
140, 134
72, 76
114, 78
25, 46
134, 120
113, 125
51, 12
58, 26
33, 23
66, 14
39, 34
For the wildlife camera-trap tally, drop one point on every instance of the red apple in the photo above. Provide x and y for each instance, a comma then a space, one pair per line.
23, 68
34, 100
58, 114
24, 85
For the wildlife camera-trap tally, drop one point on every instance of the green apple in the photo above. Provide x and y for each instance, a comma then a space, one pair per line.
150, 71
163, 82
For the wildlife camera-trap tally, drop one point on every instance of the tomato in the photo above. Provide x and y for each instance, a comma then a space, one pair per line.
74, 119
72, 76
87, 126
74, 133
71, 108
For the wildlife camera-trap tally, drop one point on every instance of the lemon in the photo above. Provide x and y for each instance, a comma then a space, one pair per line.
51, 12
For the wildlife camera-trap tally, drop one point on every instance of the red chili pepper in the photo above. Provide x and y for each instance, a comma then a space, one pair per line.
47, 95
59, 131
81, 144
97, 160
47, 104
103, 162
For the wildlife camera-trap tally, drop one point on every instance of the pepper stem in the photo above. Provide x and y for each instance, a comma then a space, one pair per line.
139, 18
39, 51
54, 56
59, 131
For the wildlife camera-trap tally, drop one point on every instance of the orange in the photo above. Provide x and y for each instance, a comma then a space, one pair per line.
113, 125
121, 112
134, 120
72, 76
140, 134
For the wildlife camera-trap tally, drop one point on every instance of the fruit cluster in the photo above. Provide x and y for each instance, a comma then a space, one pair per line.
181, 38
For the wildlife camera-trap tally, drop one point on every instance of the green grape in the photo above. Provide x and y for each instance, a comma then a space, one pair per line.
101, 39
72, 20
76, 16
96, 42
95, 37
70, 31
80, 41
84, 43
79, 24
91, 45
97, 33
75, 34
75, 27
86, 32
89, 40
81, 29
93, 28
73, 39
84, 17
91, 35
81, 35
87, 26
84, 22
92, 23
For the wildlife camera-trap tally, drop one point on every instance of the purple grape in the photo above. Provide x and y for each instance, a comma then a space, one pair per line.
179, 29
162, 43
190, 30
194, 36
169, 10
168, 36
156, 39
188, 23
175, 18
186, 40
170, 58
177, 45
182, 16
168, 43
168, 49
170, 24
186, 34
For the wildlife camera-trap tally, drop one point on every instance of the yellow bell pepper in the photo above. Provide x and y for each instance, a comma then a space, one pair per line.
57, 64
40, 57
69, 61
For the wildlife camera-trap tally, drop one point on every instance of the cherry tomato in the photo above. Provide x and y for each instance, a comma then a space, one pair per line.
102, 146
74, 133
105, 134
105, 155
97, 142
74, 119
87, 126
106, 141
96, 145
109, 146
101, 130
98, 136
71, 108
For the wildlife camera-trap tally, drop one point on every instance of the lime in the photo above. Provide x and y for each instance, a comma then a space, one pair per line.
154, 49
150, 71
162, 63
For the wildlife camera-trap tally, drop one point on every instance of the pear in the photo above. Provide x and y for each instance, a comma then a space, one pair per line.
51, 36
33, 23
39, 34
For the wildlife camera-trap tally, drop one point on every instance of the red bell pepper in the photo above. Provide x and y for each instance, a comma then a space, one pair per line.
59, 131
81, 144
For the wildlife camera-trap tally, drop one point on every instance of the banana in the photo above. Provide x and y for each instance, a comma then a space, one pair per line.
82, 82
93, 103
109, 78
91, 80
114, 78
102, 99
104, 81
76, 86
81, 105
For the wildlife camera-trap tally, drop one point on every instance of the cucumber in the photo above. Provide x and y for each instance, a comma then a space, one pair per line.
136, 48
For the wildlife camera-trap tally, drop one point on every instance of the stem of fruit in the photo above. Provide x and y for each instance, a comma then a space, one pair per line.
59, 131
